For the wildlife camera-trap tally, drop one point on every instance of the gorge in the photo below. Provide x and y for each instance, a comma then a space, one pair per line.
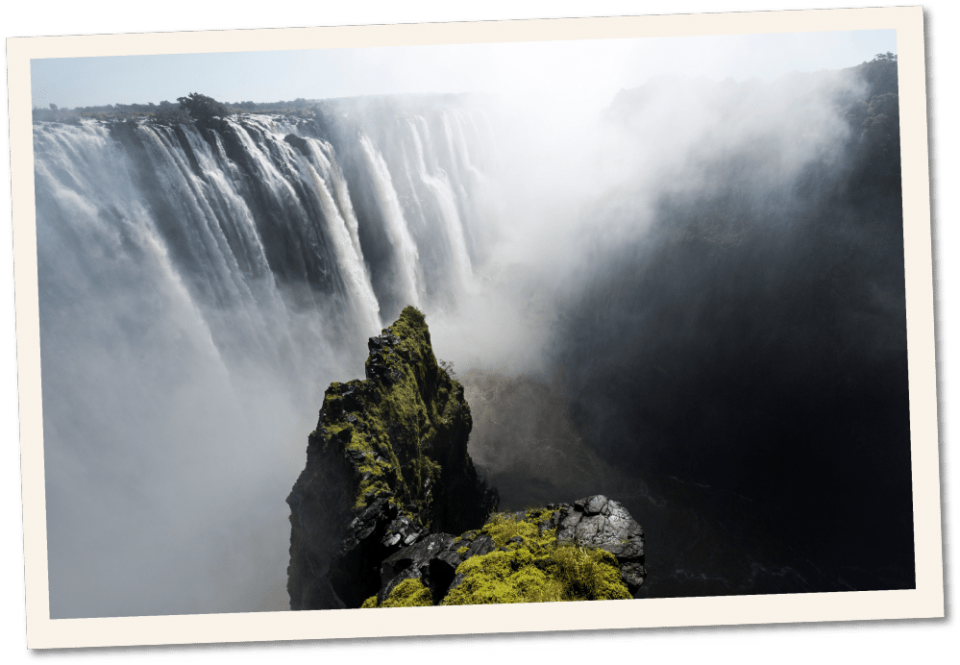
693, 306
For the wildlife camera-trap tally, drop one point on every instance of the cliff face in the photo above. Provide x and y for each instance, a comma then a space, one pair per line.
388, 481
386, 464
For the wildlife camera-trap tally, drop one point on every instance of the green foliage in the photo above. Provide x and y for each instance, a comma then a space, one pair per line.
535, 568
880, 74
410, 592
369, 603
400, 419
530, 567
875, 122
503, 527
503, 577
587, 574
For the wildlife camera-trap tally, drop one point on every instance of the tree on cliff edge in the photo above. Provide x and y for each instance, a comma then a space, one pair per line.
202, 108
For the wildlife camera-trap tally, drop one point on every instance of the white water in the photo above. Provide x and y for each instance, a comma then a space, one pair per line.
439, 184
405, 250
151, 431
198, 292
346, 244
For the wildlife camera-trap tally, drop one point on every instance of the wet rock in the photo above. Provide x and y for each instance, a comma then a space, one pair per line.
388, 479
419, 560
605, 524
376, 479
436, 558
298, 143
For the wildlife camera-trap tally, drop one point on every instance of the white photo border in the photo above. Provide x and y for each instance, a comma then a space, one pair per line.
926, 601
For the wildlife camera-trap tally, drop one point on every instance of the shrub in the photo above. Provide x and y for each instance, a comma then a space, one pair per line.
447, 367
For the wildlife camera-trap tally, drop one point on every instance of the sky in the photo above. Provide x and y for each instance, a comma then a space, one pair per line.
591, 68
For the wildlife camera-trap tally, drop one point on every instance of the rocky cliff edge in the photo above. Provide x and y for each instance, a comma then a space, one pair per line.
386, 464
388, 481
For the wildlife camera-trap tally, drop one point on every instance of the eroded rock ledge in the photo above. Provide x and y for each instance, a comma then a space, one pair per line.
386, 464
388, 481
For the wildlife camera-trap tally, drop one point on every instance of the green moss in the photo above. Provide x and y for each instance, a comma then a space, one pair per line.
535, 568
410, 592
397, 433
504, 527
399, 419
501, 577
369, 603
587, 574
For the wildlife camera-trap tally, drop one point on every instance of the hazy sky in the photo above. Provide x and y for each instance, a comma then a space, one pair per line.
590, 68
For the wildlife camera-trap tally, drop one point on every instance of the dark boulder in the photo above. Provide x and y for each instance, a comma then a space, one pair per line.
604, 524
419, 560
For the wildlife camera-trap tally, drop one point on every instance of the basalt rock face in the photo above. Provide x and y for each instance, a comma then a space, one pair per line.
386, 465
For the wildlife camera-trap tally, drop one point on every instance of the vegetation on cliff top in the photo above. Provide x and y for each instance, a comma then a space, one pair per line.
529, 566
409, 593
393, 426
386, 465
405, 426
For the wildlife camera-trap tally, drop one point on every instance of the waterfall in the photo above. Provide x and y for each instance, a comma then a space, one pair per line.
657, 316
405, 250
199, 289
346, 240
439, 184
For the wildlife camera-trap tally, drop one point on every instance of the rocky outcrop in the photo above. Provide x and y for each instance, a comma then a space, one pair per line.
386, 465
605, 524
589, 550
388, 481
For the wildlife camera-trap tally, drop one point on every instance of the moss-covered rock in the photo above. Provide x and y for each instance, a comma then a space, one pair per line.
388, 480
386, 464
531, 566
409, 593
589, 550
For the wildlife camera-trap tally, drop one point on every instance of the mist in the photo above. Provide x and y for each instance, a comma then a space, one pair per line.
712, 289
686, 295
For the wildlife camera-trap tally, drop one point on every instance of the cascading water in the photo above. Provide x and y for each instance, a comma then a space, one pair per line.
405, 251
200, 287
439, 184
